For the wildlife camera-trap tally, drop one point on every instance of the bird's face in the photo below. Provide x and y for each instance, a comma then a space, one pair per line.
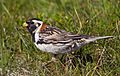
33, 24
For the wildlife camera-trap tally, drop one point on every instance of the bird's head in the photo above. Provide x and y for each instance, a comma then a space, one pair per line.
33, 24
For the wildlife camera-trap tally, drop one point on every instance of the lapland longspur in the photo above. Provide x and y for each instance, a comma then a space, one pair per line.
56, 41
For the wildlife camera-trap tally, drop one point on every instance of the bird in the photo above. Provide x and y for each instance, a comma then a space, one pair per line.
54, 40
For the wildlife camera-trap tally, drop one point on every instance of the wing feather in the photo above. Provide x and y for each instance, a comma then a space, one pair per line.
55, 35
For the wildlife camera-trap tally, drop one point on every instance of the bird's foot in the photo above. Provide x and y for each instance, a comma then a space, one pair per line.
49, 62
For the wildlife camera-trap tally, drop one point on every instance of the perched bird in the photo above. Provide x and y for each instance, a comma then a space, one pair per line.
56, 41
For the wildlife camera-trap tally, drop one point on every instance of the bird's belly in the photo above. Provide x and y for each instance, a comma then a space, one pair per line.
55, 48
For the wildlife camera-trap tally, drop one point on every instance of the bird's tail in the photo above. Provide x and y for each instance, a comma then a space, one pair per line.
97, 38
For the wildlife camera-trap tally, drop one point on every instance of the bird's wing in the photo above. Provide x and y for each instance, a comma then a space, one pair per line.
55, 35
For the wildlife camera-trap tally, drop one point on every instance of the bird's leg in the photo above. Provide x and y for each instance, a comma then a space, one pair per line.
53, 59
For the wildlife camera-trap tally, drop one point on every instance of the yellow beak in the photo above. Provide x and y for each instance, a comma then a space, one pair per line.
25, 24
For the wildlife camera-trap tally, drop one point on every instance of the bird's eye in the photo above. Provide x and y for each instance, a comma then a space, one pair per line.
32, 22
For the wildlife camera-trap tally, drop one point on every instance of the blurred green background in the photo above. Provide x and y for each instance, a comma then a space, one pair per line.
19, 56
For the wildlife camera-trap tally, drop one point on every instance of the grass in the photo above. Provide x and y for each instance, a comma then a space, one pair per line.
19, 56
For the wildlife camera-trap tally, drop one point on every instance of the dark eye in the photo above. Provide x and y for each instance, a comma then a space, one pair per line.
32, 22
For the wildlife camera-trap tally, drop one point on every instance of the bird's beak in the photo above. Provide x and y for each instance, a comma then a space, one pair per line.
25, 24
